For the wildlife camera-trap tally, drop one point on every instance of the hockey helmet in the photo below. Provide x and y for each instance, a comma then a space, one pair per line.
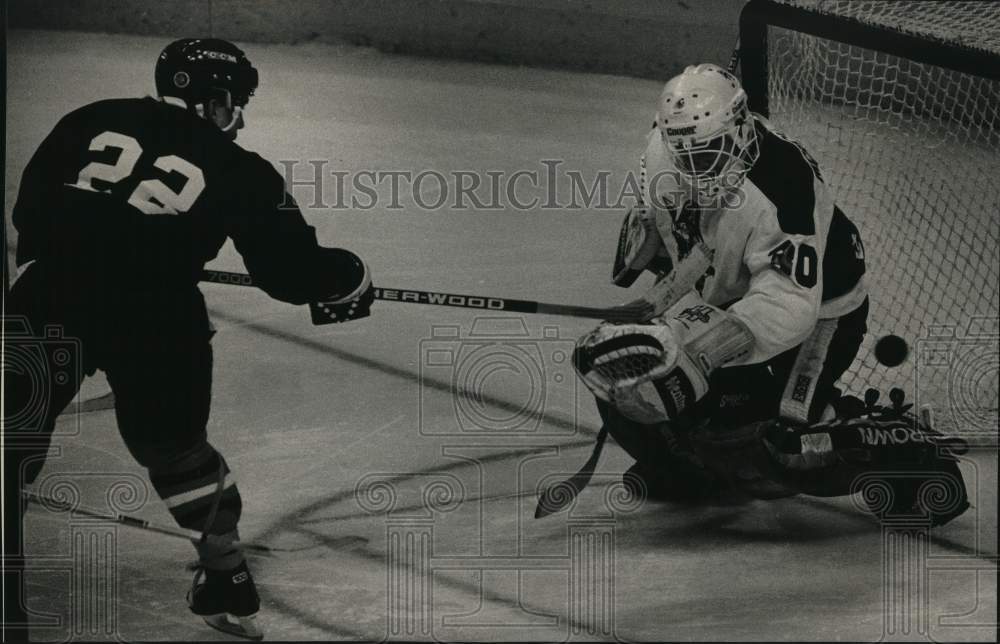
706, 126
196, 69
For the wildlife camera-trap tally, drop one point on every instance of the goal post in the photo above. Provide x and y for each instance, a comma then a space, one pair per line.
900, 103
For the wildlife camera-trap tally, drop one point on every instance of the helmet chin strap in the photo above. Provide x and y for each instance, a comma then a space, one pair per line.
234, 122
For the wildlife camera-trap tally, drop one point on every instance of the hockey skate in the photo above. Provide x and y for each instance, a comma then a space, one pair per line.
227, 600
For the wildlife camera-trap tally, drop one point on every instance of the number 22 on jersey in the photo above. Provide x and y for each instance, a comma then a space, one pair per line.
151, 196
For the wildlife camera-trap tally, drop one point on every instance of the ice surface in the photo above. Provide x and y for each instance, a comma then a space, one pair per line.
411, 508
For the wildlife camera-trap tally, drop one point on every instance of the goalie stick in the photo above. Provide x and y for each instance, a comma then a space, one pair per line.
556, 497
484, 302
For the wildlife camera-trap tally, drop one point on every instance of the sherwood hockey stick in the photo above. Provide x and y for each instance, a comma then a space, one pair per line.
483, 302
142, 524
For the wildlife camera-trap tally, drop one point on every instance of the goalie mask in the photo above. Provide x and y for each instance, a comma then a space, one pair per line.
707, 128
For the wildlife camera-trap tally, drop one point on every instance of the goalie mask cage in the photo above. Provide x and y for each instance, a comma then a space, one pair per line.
899, 103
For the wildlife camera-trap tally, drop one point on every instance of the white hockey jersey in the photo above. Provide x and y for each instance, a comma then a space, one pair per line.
784, 254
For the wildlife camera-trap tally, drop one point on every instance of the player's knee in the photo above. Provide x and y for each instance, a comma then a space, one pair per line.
199, 489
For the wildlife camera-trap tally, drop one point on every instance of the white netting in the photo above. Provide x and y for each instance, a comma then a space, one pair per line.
912, 152
971, 24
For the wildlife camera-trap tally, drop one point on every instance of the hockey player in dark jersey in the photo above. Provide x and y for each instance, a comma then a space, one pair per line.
118, 211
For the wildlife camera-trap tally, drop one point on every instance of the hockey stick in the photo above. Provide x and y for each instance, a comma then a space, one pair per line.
483, 302
142, 524
557, 497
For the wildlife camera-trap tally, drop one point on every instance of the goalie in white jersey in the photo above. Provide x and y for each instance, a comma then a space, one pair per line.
759, 303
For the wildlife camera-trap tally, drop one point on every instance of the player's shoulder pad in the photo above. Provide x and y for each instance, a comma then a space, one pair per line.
105, 109
258, 176
785, 174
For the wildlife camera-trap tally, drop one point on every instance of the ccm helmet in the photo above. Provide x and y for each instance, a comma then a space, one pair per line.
196, 70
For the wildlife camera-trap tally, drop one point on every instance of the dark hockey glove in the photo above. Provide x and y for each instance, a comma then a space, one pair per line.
345, 310
357, 303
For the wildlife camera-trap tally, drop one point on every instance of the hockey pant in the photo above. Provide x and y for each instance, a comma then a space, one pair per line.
155, 350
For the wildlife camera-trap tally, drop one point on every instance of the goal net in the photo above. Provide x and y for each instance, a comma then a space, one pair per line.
900, 104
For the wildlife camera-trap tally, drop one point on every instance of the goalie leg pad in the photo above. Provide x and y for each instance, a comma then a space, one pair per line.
901, 466
666, 467
819, 362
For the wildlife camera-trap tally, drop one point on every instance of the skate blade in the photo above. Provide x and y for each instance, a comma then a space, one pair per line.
245, 627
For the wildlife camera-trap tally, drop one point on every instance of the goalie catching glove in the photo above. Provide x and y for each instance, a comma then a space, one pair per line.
653, 373
354, 303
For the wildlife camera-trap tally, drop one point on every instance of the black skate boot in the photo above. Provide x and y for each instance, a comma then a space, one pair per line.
227, 600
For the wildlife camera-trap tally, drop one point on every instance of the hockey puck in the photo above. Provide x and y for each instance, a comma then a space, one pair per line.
891, 350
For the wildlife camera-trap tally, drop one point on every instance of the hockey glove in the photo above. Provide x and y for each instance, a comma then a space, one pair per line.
354, 305
343, 310
655, 372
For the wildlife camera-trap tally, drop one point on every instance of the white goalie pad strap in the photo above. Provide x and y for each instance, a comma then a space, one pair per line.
638, 243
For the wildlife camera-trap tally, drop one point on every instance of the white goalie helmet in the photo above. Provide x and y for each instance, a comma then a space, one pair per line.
707, 128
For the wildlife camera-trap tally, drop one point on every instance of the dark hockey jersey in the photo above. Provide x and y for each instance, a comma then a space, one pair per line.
141, 193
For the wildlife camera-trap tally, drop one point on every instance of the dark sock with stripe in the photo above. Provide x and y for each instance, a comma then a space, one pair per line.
190, 487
